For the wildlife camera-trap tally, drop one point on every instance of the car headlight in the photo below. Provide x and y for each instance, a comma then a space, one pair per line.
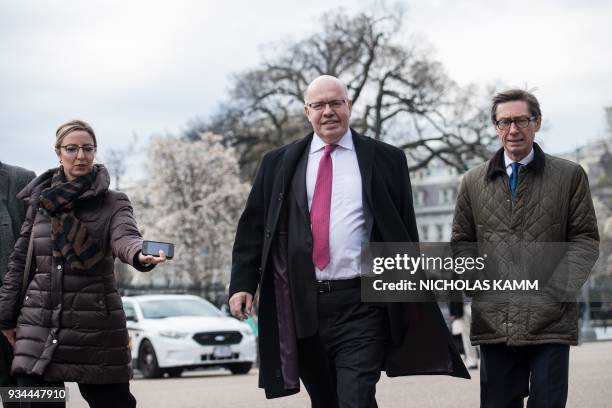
173, 334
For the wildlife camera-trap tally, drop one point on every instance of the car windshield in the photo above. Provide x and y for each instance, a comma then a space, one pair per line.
160, 309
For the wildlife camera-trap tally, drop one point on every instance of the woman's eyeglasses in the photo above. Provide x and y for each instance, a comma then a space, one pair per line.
73, 150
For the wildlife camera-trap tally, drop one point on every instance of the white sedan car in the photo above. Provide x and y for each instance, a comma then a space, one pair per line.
172, 333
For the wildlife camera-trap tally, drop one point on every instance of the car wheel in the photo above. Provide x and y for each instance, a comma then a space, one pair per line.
240, 368
147, 361
174, 372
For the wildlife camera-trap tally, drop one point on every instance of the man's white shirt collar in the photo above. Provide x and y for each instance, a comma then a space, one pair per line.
524, 161
346, 142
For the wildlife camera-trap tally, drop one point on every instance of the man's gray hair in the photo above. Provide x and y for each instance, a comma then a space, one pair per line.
516, 95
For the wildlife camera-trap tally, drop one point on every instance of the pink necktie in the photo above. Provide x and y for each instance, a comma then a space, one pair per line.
319, 210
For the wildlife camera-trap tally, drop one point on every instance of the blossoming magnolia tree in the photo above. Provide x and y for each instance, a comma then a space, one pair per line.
191, 197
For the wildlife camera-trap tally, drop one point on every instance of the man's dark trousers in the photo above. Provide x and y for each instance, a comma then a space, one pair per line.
341, 365
510, 374
6, 359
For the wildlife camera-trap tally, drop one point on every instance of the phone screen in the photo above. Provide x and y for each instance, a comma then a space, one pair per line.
153, 248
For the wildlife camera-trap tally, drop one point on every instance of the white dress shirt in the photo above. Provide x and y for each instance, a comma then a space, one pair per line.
524, 161
347, 229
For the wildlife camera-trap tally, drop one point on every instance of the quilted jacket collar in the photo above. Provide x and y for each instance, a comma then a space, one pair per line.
497, 167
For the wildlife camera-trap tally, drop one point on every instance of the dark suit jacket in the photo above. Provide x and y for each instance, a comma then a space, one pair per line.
276, 216
12, 214
12, 211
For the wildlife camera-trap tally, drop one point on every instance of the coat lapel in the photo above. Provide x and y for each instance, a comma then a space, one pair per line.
298, 185
365, 156
295, 170
4, 184
364, 150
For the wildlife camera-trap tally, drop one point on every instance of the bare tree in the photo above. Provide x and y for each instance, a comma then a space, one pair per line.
399, 93
115, 160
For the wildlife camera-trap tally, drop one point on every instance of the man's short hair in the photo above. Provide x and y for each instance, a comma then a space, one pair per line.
516, 95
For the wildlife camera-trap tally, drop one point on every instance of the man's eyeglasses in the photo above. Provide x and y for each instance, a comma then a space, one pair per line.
73, 150
521, 122
335, 104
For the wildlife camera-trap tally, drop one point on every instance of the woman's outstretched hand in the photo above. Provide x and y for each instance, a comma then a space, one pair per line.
152, 260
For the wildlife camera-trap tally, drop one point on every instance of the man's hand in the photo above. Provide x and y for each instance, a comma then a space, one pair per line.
241, 305
147, 260
11, 336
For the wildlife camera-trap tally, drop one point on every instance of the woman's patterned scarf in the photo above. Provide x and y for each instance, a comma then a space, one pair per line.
71, 240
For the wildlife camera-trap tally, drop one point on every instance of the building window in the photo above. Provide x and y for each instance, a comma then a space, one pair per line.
424, 233
440, 232
419, 198
447, 195
443, 196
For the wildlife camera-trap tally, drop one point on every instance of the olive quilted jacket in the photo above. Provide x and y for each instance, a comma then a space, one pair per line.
547, 232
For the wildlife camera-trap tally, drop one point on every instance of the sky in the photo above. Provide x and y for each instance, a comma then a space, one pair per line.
148, 68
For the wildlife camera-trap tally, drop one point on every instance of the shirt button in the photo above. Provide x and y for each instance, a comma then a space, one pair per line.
54, 341
59, 266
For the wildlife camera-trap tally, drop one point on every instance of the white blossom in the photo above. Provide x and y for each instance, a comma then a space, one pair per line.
191, 197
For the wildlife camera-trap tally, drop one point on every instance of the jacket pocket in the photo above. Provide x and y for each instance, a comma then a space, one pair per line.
101, 302
483, 318
546, 317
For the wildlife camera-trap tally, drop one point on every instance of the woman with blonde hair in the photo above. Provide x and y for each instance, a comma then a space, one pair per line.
63, 315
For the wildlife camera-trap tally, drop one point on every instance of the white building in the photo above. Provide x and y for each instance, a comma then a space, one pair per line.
435, 191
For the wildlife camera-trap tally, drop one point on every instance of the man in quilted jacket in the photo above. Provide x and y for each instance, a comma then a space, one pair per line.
534, 215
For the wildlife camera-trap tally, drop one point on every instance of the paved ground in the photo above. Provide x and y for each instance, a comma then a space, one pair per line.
590, 387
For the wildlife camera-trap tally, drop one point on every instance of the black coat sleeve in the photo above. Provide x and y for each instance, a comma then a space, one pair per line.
10, 291
246, 254
407, 206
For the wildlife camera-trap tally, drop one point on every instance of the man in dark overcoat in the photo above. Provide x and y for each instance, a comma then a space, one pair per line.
313, 204
12, 213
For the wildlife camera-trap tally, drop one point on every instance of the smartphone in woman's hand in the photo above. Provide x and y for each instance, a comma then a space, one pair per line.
153, 248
